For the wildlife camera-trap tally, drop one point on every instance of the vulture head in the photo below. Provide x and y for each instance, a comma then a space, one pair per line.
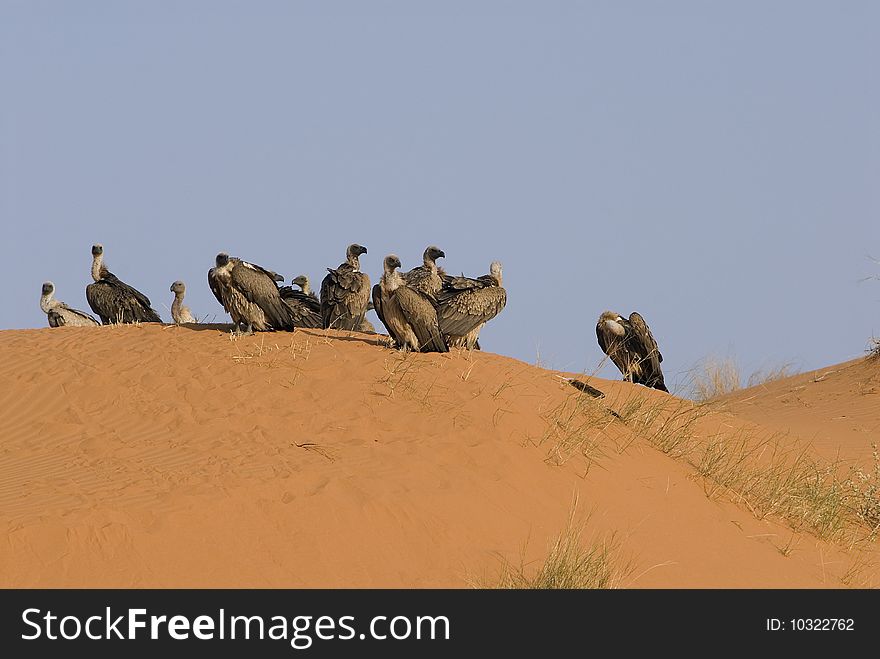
613, 322
222, 259
354, 250
495, 271
432, 253
48, 288
391, 262
178, 287
302, 281
97, 250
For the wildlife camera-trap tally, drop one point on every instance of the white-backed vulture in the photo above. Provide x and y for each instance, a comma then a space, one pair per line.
59, 314
426, 277
214, 286
180, 313
387, 308
345, 292
466, 304
632, 348
305, 310
408, 314
112, 299
306, 285
250, 295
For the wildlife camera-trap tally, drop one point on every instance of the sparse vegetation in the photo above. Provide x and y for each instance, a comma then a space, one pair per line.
768, 475
575, 427
764, 376
864, 485
570, 564
874, 348
717, 376
401, 369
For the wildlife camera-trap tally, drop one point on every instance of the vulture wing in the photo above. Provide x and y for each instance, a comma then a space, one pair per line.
259, 288
377, 304
344, 296
81, 316
646, 345
642, 342
216, 287
465, 303
117, 302
304, 309
420, 313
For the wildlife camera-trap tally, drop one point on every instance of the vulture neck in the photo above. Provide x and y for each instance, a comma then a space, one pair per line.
177, 304
98, 269
392, 280
430, 264
306, 288
47, 302
224, 271
354, 262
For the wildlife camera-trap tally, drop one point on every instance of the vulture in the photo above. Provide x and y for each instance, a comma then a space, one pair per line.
112, 299
632, 348
466, 304
426, 278
59, 314
345, 293
408, 314
180, 313
303, 282
305, 310
250, 294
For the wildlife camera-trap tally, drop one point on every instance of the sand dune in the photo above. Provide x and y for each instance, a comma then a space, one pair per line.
160, 456
836, 410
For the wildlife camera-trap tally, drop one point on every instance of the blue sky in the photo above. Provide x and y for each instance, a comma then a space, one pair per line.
712, 165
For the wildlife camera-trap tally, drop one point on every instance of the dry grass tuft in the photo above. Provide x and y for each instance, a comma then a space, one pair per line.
715, 377
864, 486
764, 376
575, 427
401, 370
570, 564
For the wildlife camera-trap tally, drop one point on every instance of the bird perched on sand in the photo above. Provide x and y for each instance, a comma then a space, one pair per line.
466, 304
408, 314
345, 292
303, 304
631, 346
112, 299
250, 294
59, 314
180, 313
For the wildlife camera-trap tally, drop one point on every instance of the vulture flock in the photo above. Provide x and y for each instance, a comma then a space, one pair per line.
423, 310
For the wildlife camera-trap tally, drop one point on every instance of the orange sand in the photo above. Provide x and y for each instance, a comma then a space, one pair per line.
834, 409
151, 456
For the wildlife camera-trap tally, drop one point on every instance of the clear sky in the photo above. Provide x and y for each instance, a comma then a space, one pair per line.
713, 165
